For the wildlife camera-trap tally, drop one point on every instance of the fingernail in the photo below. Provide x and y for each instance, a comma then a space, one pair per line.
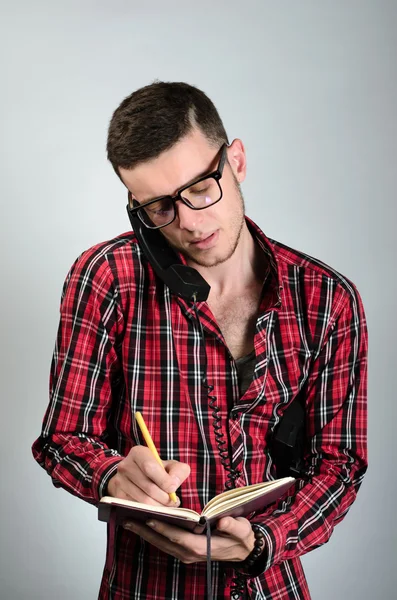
151, 524
128, 526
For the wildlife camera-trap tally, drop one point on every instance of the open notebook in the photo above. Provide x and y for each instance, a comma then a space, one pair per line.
237, 502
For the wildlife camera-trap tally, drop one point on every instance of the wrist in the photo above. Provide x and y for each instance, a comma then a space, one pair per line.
102, 475
249, 563
111, 486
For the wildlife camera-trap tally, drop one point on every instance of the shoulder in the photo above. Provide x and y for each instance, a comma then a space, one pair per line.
291, 259
109, 263
323, 287
114, 256
309, 283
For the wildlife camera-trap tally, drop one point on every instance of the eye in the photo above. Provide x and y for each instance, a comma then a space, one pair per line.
203, 190
157, 211
159, 208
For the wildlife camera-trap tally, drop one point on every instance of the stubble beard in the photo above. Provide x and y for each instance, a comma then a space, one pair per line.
237, 225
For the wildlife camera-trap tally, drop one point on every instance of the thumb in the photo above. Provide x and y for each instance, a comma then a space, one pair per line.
225, 524
239, 527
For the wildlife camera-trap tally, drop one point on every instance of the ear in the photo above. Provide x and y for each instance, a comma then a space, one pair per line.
130, 200
237, 159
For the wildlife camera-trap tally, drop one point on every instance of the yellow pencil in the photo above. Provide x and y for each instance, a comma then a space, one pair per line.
151, 446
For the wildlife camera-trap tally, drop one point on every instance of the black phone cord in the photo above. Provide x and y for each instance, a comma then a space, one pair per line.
239, 581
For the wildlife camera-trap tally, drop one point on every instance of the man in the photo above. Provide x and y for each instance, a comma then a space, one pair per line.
211, 378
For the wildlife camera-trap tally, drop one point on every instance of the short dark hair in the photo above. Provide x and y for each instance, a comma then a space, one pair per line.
155, 117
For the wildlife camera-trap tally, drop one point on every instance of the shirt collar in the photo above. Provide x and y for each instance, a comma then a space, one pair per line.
275, 280
266, 245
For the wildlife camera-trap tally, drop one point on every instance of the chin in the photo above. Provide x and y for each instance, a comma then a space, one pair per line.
208, 260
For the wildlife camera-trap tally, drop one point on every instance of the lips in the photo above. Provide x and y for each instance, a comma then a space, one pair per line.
202, 239
206, 241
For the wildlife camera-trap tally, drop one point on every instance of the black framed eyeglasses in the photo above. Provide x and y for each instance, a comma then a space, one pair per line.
202, 193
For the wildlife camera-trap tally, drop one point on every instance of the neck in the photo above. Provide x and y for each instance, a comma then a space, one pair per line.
247, 261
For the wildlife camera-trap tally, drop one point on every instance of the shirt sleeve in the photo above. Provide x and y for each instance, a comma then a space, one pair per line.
72, 447
336, 456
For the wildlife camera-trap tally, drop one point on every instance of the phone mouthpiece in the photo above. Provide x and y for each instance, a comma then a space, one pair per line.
189, 280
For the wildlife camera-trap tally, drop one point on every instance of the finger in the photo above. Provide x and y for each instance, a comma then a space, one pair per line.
130, 491
177, 469
162, 542
145, 490
238, 528
190, 547
154, 472
135, 481
177, 535
223, 524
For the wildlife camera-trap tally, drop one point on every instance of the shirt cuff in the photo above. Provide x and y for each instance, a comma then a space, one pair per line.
274, 539
102, 474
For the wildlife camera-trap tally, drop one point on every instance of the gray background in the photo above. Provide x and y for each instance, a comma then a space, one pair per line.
310, 87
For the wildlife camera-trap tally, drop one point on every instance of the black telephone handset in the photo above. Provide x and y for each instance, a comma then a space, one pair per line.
182, 280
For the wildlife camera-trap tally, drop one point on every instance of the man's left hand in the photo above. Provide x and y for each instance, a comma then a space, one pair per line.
232, 540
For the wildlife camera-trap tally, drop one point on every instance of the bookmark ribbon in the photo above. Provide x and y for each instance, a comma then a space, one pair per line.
209, 577
111, 540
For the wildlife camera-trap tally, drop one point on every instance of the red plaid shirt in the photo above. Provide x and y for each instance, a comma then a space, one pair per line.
125, 343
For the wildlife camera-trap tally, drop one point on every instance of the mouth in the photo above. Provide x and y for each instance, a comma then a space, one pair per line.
206, 241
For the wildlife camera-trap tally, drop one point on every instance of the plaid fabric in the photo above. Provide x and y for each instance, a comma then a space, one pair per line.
126, 344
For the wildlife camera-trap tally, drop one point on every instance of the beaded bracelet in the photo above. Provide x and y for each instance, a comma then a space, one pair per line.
256, 551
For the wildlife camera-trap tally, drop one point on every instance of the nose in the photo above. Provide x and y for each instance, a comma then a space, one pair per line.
187, 217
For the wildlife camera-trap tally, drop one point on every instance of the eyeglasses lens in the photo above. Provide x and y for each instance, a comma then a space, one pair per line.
198, 196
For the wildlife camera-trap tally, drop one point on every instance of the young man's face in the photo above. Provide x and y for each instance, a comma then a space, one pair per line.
206, 237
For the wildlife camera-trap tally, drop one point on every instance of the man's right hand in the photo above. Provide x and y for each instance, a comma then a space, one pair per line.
139, 477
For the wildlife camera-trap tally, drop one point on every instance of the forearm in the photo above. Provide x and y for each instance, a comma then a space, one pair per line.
83, 384
80, 464
305, 520
336, 445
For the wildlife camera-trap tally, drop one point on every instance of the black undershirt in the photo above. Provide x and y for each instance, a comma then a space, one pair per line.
245, 371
